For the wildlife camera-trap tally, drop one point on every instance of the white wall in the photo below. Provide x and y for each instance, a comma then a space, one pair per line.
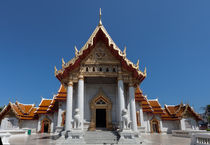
32, 124
91, 90
9, 123
168, 126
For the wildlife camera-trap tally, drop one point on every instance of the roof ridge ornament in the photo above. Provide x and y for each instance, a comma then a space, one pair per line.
100, 22
137, 64
76, 51
124, 51
63, 62
55, 69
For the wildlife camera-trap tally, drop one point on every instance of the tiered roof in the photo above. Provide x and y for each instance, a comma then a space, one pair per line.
100, 34
176, 112
21, 111
156, 106
43, 106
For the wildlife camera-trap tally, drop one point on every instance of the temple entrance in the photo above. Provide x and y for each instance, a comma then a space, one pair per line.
101, 118
45, 126
154, 126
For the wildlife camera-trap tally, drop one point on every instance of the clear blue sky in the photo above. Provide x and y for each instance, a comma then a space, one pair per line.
171, 38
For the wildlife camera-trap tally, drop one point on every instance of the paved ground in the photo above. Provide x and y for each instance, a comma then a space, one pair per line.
150, 139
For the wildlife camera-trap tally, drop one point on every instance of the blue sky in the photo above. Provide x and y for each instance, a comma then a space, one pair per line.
171, 38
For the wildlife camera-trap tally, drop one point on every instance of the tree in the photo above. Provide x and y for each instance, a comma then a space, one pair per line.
1, 108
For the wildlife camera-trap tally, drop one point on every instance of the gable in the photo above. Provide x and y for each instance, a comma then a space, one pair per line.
100, 55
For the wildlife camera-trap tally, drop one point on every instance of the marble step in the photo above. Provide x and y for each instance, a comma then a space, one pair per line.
98, 137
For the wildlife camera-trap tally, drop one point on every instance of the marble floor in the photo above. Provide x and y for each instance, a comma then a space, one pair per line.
148, 139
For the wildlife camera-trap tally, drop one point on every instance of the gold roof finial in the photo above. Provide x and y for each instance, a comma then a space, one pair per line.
63, 62
100, 22
137, 64
55, 69
124, 51
145, 71
76, 51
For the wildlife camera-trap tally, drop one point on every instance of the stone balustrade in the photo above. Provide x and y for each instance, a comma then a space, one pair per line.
186, 133
200, 139
5, 138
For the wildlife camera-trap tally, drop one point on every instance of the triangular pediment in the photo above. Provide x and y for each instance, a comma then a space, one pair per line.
100, 54
100, 48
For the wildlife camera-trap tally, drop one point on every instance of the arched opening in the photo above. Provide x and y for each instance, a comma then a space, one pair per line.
154, 126
100, 107
45, 128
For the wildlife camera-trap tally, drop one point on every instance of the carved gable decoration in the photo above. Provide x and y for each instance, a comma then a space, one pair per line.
100, 54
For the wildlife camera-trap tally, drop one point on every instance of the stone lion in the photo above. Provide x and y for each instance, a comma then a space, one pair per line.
125, 119
77, 119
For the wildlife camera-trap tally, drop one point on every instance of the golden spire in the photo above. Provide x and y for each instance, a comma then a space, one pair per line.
100, 22
76, 51
124, 51
137, 64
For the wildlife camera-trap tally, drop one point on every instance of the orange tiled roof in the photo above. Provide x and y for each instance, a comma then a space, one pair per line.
139, 97
176, 112
43, 106
21, 111
61, 93
156, 106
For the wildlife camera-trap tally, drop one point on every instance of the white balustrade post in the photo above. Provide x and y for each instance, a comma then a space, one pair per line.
80, 100
121, 97
132, 107
69, 99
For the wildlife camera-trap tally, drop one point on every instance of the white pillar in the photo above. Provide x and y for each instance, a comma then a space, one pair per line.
68, 122
141, 115
132, 107
80, 99
59, 115
182, 124
121, 97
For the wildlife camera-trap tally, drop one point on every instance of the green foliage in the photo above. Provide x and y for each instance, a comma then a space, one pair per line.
1, 108
207, 129
208, 119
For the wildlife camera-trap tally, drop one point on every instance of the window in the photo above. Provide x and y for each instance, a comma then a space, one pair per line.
100, 102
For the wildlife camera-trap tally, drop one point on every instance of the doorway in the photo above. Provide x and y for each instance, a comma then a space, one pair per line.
101, 118
45, 126
155, 126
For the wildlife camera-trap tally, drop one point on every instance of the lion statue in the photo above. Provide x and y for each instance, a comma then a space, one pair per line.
77, 121
125, 119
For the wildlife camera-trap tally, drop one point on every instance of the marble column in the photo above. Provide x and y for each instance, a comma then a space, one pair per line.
59, 115
69, 99
132, 107
121, 98
80, 101
141, 115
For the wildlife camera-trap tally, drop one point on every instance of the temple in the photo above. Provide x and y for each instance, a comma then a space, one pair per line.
100, 88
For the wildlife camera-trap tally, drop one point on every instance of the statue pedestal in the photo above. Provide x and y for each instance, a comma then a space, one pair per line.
75, 136
127, 136
59, 129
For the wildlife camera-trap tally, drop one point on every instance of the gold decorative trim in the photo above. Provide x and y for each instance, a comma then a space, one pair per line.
156, 121
94, 106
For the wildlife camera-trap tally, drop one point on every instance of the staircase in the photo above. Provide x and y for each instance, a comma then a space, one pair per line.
101, 137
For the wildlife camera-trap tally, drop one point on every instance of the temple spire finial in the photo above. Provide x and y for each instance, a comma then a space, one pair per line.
100, 22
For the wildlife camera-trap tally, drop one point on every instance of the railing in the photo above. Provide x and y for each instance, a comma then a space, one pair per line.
200, 139
5, 138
